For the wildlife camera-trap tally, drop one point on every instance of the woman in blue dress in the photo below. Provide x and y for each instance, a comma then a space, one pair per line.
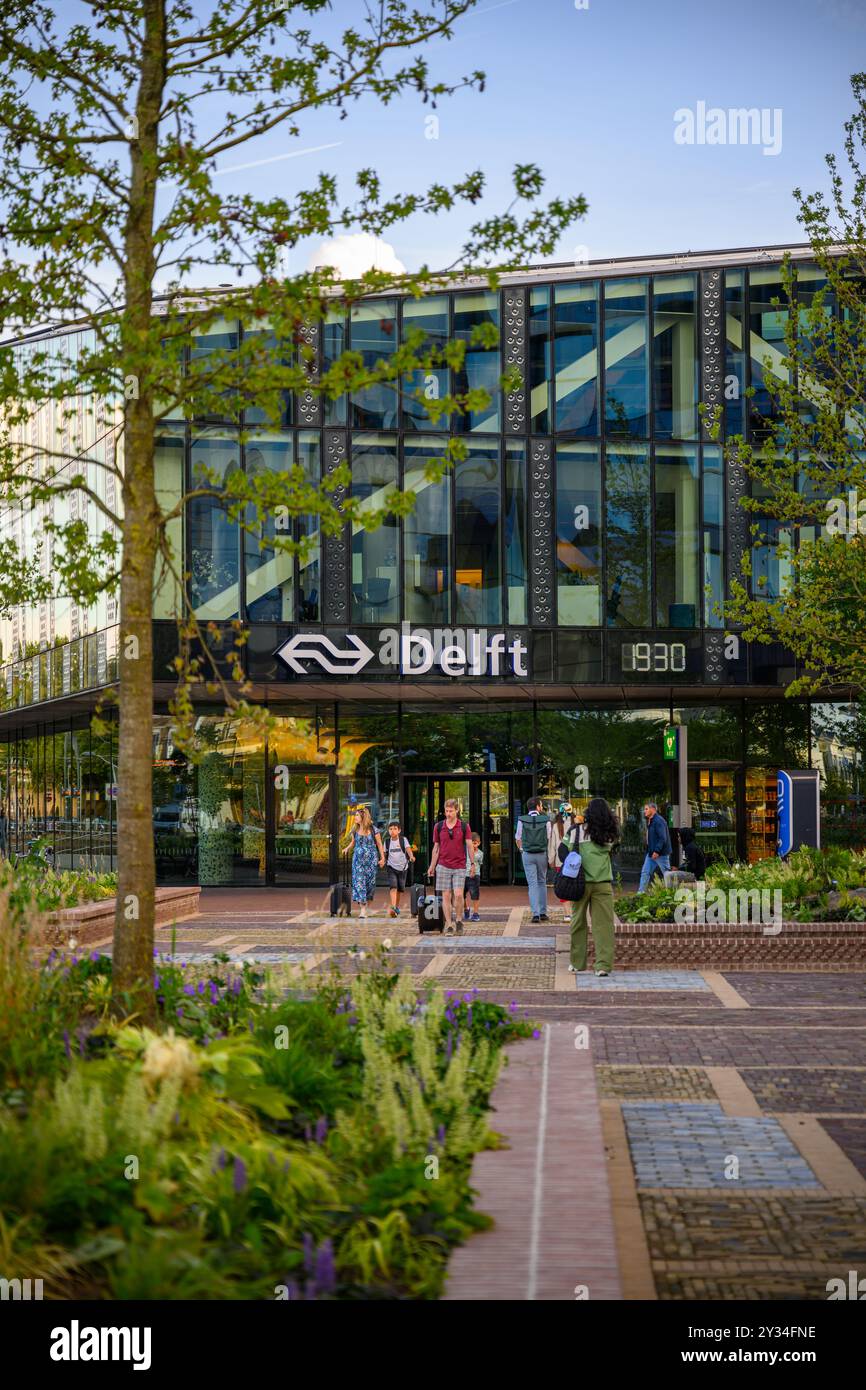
367, 856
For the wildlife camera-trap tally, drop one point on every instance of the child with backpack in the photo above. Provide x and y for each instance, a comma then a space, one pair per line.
474, 857
398, 857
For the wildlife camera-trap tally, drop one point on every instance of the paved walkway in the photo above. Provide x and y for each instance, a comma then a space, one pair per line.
705, 1140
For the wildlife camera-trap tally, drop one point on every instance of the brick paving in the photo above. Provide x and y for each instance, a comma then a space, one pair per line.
701, 1046
850, 1135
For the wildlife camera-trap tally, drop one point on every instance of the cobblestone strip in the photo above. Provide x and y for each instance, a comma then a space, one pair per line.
569, 1208
631, 1242
833, 1169
724, 991
733, 1093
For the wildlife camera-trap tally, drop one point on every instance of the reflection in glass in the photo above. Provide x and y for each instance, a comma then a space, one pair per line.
477, 536
270, 572
213, 536
481, 367
309, 447
426, 536
768, 314
735, 353
675, 358
515, 530
375, 554
677, 527
578, 535
539, 359
209, 355
713, 543
333, 347
625, 357
373, 333
629, 554
430, 315
575, 356
168, 471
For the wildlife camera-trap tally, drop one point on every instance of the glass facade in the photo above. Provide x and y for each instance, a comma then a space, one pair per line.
592, 519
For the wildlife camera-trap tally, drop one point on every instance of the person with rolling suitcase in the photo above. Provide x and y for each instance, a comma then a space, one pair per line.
452, 837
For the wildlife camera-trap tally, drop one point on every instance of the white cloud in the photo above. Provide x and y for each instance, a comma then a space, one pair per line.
354, 252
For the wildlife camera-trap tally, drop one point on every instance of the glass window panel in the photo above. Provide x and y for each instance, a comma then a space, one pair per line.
308, 445
431, 316
771, 559
373, 333
578, 535
675, 357
481, 368
213, 536
539, 360
270, 572
575, 380
168, 466
375, 554
713, 540
477, 537
260, 345
735, 353
629, 536
677, 536
515, 530
333, 347
426, 536
625, 357
208, 359
767, 321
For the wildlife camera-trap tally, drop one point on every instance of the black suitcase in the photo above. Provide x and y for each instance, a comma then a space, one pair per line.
416, 895
430, 914
341, 900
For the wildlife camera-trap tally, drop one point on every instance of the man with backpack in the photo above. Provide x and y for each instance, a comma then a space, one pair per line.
532, 839
452, 838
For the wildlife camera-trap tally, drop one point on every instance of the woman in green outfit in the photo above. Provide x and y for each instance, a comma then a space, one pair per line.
601, 836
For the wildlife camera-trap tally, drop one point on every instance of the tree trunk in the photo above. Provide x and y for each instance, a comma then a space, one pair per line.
133, 924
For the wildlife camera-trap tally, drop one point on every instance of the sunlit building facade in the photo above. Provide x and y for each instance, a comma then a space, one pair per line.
551, 603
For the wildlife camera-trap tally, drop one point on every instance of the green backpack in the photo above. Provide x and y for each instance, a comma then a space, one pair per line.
533, 834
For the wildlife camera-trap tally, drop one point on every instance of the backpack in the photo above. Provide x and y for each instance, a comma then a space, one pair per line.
533, 834
570, 881
399, 846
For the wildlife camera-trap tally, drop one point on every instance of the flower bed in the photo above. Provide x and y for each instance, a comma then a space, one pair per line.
253, 1146
32, 885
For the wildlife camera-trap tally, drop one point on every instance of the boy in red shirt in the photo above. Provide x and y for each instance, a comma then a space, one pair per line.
451, 837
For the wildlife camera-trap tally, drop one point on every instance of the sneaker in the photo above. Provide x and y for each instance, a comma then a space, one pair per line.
544, 917
396, 912
473, 917
536, 919
602, 973
459, 928
393, 912
576, 969
448, 929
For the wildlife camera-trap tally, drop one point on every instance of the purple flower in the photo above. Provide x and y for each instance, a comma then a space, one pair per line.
179, 1011
189, 989
440, 1134
222, 1158
74, 960
66, 1044
467, 999
155, 952
326, 1275
201, 986
236, 985
321, 1129
94, 955
536, 1033
156, 982
513, 1007
239, 1177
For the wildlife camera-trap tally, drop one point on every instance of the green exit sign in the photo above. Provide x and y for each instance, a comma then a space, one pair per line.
670, 744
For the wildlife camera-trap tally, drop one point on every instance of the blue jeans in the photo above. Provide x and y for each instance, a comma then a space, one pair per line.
649, 864
535, 868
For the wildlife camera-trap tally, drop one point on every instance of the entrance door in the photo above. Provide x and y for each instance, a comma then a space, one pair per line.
490, 805
301, 826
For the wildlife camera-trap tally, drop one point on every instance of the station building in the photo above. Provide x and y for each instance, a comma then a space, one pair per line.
547, 609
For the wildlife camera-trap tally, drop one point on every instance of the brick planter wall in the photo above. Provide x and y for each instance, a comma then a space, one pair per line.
817, 945
95, 921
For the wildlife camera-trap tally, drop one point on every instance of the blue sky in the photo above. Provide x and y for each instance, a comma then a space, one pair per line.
590, 95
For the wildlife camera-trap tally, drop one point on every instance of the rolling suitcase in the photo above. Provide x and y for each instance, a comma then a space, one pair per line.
416, 895
430, 914
341, 893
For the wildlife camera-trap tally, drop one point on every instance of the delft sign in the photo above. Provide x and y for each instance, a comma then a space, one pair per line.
408, 651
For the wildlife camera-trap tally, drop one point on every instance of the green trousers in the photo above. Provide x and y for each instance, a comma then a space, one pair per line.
597, 901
